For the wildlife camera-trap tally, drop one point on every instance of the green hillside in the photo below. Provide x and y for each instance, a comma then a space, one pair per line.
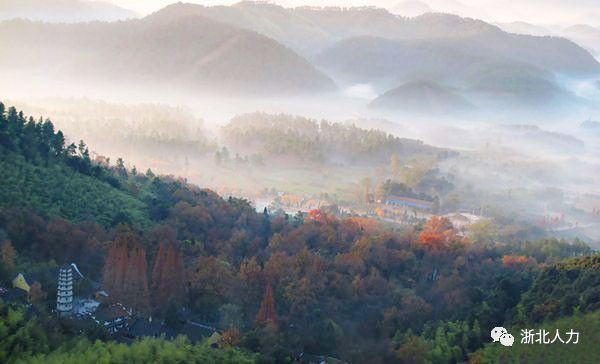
564, 296
39, 172
563, 288
58, 190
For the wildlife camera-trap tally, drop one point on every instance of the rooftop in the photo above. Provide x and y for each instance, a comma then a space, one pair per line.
110, 313
409, 200
145, 328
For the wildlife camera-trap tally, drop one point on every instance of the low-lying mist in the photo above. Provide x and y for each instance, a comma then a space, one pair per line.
519, 169
454, 110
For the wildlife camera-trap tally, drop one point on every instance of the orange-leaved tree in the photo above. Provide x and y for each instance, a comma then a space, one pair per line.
438, 233
266, 313
124, 276
517, 261
168, 278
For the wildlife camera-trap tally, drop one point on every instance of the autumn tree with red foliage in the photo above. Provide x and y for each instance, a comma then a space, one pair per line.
36, 294
125, 275
136, 281
438, 233
168, 279
7, 254
114, 270
517, 261
266, 313
364, 224
320, 216
231, 338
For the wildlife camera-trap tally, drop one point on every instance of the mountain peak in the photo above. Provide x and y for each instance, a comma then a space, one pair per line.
422, 96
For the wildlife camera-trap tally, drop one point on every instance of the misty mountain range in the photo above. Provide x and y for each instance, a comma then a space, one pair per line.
585, 35
190, 51
264, 49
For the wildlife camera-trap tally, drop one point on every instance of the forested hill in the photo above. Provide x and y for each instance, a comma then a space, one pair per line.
301, 139
44, 173
275, 285
38, 170
565, 296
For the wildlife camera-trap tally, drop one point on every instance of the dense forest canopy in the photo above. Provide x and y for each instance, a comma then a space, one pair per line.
277, 284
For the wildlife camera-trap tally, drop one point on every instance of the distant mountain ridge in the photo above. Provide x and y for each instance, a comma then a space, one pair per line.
310, 30
585, 35
389, 62
387, 51
519, 27
196, 51
190, 51
264, 49
439, 55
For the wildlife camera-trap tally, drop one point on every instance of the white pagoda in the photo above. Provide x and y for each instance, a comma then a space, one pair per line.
64, 296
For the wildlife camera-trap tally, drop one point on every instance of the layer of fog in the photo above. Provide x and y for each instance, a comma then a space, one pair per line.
541, 163
530, 161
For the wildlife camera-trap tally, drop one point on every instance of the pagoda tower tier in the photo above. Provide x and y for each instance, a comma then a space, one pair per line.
64, 294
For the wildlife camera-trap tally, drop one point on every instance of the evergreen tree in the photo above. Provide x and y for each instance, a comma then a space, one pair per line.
121, 170
4, 137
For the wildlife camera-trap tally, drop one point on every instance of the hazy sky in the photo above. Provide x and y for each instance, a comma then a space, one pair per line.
564, 12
